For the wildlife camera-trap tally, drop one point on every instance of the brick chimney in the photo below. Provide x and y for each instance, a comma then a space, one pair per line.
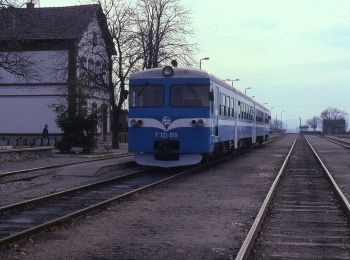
30, 4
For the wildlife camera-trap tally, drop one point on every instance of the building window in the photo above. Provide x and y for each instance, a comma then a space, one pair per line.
91, 72
94, 39
104, 72
98, 71
82, 71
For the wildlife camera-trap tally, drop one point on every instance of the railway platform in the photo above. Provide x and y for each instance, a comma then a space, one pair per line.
93, 169
57, 159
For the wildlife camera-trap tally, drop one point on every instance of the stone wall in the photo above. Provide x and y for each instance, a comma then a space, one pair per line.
24, 153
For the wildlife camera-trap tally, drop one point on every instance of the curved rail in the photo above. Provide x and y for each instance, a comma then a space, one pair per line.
342, 143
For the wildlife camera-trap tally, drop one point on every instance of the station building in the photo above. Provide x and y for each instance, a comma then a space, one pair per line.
51, 50
334, 126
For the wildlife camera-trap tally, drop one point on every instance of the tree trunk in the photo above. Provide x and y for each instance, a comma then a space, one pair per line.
115, 126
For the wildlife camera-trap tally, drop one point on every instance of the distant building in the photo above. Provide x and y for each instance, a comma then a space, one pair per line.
56, 42
304, 128
334, 126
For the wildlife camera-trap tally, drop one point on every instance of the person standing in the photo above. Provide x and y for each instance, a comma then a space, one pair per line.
45, 134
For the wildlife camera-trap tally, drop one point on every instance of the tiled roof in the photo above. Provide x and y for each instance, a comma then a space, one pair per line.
45, 23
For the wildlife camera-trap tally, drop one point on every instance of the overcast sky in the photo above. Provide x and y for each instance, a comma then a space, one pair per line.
294, 55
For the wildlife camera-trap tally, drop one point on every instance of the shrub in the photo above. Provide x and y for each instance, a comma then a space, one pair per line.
79, 129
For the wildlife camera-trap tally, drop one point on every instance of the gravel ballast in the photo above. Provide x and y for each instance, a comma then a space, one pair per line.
200, 216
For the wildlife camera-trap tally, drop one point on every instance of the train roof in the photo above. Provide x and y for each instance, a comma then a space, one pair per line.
181, 72
228, 86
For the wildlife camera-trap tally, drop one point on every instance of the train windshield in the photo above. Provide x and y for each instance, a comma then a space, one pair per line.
189, 95
146, 96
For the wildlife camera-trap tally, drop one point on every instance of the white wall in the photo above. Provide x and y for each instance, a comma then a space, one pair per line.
27, 114
25, 109
45, 67
23, 112
96, 53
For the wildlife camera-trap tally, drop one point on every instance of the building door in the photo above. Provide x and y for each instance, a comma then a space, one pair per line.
104, 112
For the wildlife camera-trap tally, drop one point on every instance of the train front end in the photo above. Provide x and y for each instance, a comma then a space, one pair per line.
169, 116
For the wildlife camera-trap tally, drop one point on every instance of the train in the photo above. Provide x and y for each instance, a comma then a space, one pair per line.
181, 116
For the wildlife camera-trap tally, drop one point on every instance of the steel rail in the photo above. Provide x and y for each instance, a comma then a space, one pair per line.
66, 192
10, 173
249, 241
29, 203
336, 189
62, 219
342, 143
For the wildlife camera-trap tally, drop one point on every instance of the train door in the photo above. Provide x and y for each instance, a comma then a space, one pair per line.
236, 115
253, 124
215, 115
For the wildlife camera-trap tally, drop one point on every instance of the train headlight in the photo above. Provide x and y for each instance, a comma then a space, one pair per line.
133, 122
201, 122
167, 71
139, 123
194, 122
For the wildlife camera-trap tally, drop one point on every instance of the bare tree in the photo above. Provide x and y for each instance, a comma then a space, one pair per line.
113, 75
11, 61
276, 125
163, 29
332, 113
145, 35
314, 122
121, 21
7, 3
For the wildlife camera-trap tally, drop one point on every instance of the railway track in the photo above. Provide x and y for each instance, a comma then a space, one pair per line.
337, 141
8, 177
21, 220
304, 216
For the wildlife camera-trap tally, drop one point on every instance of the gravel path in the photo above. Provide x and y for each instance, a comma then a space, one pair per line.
201, 216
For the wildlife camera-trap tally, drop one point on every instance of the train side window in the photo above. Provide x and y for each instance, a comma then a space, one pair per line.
248, 112
239, 108
232, 106
244, 111
220, 103
228, 105
223, 102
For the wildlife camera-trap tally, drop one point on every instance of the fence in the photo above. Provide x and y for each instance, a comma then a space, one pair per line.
28, 140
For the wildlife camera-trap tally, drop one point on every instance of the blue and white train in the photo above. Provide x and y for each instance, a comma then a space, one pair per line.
181, 116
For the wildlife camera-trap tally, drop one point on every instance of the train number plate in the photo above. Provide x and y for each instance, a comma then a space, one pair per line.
166, 135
